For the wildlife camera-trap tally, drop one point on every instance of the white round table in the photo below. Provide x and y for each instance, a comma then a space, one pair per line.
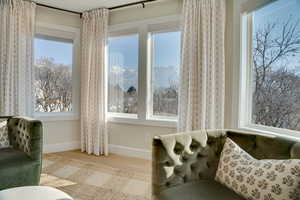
33, 193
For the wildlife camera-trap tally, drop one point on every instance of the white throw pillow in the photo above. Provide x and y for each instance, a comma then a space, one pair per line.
258, 179
4, 140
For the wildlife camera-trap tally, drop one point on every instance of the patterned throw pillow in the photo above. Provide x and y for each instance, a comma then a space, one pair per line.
4, 141
258, 179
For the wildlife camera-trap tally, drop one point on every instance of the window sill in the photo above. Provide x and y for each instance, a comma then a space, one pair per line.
149, 122
48, 117
271, 131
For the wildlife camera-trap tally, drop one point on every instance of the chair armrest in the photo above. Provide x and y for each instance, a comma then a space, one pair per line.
26, 134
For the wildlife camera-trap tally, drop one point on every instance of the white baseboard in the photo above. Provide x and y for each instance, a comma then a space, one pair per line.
130, 152
59, 147
115, 149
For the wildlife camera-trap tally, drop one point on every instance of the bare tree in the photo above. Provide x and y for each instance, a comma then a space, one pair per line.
276, 98
165, 99
53, 86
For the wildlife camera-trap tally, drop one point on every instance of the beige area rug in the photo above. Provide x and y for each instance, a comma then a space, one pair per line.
87, 177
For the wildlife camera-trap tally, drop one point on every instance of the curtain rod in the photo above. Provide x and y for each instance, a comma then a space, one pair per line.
111, 8
131, 4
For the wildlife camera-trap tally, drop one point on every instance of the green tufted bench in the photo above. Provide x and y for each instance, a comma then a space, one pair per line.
194, 179
20, 165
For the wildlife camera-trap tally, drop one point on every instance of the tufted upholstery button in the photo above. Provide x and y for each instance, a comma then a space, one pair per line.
208, 165
194, 146
210, 142
185, 179
178, 149
200, 176
185, 158
177, 171
193, 167
200, 155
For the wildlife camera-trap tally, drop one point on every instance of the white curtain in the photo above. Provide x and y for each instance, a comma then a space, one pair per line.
93, 83
17, 21
201, 95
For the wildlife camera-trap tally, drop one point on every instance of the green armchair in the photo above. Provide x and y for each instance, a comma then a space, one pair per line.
21, 164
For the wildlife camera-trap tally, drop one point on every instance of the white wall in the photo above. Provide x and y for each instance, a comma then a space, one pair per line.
57, 17
152, 10
65, 135
59, 134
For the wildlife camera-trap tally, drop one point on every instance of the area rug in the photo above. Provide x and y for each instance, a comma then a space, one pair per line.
86, 177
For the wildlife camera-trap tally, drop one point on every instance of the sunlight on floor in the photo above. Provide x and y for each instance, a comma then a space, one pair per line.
53, 181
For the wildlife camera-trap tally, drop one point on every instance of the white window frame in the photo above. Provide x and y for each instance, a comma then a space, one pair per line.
120, 34
143, 29
246, 79
70, 33
158, 29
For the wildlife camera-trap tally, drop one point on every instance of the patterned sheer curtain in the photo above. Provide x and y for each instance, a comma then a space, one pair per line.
93, 83
201, 95
17, 22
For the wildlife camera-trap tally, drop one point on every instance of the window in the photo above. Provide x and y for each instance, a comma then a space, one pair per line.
143, 73
53, 74
56, 82
165, 73
123, 74
273, 59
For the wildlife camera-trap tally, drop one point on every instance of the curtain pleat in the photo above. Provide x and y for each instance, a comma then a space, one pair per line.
93, 83
202, 87
17, 23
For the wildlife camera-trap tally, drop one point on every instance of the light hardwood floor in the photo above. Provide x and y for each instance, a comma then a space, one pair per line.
88, 177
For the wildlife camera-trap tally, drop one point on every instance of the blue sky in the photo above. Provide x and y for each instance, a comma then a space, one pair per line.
167, 49
61, 52
124, 50
279, 12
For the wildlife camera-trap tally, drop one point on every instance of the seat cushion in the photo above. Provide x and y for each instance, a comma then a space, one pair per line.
200, 190
17, 169
8, 155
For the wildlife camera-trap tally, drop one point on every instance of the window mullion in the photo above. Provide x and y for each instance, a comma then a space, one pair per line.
246, 73
142, 78
250, 67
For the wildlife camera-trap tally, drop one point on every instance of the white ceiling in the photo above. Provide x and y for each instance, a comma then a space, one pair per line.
83, 5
